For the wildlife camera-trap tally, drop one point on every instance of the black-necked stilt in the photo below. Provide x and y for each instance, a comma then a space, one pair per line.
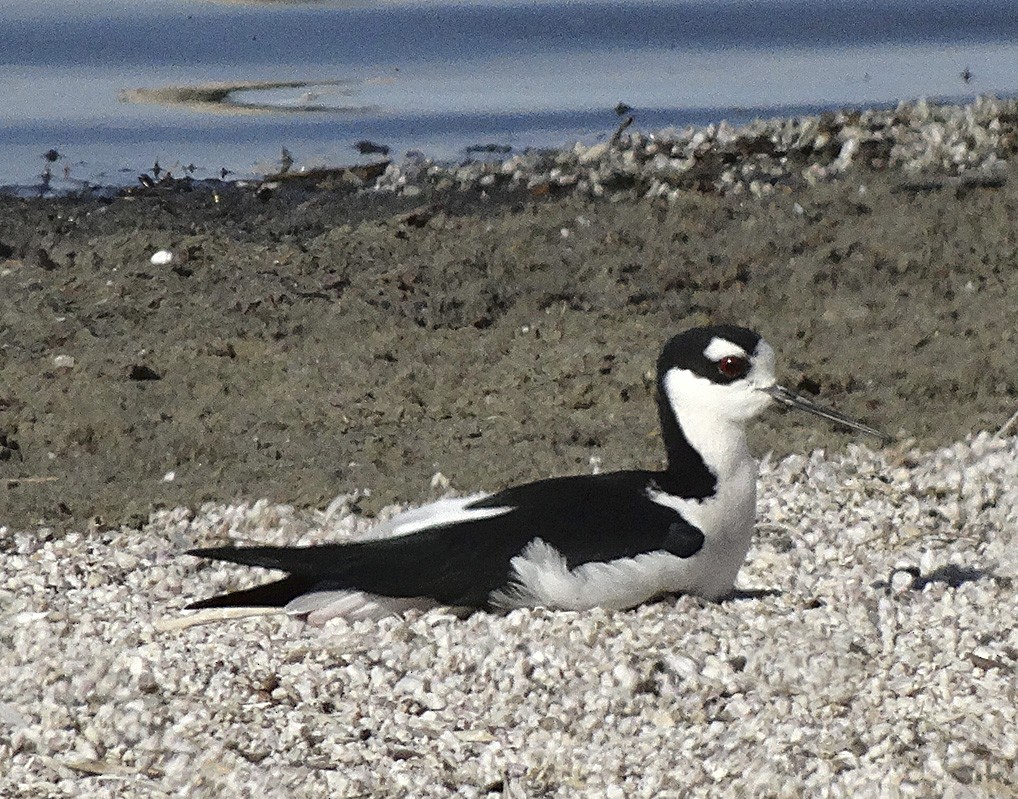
608, 540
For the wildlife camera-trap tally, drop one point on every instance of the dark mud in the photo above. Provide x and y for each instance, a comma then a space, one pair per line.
310, 343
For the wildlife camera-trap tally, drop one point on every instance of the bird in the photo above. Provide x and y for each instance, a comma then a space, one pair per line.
612, 540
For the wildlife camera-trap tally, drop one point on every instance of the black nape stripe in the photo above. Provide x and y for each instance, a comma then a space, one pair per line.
686, 475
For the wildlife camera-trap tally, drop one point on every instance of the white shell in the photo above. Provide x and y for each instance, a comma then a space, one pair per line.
161, 258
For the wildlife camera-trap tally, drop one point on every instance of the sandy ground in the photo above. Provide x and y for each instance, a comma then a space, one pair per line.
320, 342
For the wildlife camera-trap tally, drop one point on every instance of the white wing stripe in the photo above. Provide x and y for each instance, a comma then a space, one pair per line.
437, 514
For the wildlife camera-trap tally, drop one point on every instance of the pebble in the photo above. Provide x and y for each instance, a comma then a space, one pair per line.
881, 660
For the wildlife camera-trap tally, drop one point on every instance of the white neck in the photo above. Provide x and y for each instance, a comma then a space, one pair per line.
711, 420
721, 442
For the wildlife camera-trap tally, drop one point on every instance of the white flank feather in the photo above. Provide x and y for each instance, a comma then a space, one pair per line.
320, 606
542, 579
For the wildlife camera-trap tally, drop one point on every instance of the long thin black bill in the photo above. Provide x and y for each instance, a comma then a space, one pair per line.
783, 395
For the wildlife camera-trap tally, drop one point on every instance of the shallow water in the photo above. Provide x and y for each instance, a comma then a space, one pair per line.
438, 77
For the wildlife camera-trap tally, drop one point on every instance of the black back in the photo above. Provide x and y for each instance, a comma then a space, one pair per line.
587, 518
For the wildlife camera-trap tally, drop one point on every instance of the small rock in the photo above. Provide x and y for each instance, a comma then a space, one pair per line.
40, 258
142, 372
594, 153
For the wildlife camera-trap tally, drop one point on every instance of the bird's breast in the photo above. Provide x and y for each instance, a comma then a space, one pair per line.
726, 519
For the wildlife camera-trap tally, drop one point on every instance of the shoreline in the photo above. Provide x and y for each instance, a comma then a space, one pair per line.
928, 136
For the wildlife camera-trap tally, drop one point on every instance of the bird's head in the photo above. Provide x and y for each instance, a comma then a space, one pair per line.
725, 374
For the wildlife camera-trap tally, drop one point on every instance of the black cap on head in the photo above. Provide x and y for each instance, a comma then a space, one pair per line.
685, 351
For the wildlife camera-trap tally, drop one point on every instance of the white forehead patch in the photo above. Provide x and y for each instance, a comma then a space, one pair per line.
723, 348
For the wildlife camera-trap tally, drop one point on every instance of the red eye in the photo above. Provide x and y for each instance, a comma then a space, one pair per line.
733, 366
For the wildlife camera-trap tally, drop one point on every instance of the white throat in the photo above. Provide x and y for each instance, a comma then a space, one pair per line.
716, 436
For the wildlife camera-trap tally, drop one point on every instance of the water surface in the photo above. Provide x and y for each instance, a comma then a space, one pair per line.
437, 77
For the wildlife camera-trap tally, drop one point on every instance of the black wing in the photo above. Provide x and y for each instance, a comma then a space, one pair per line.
587, 518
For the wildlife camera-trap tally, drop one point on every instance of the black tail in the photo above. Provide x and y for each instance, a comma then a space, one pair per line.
296, 560
270, 595
434, 563
303, 562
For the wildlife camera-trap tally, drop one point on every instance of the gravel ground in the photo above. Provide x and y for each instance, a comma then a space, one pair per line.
873, 653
